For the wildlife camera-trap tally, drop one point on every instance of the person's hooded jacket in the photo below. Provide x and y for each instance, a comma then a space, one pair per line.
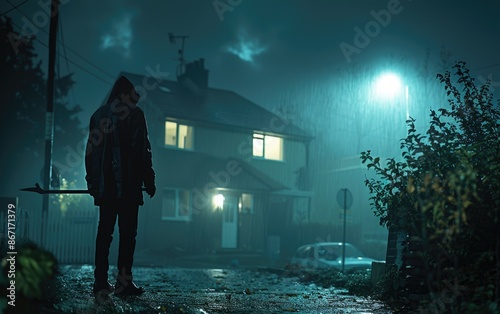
118, 159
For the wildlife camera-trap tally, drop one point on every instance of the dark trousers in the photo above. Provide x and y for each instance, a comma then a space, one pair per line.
127, 226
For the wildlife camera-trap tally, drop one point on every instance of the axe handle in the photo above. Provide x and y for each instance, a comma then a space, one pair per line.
38, 189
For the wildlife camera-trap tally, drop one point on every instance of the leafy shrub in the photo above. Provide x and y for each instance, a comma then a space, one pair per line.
446, 193
35, 274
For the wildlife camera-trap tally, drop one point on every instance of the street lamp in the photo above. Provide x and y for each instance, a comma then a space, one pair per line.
389, 85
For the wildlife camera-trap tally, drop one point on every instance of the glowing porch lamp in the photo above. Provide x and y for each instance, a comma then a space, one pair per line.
218, 201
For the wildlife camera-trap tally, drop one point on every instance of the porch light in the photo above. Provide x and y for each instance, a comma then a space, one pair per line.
218, 201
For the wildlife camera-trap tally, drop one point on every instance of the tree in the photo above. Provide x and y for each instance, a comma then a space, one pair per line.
446, 194
23, 113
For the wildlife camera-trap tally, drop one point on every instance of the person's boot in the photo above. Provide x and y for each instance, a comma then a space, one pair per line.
102, 287
128, 288
102, 291
125, 286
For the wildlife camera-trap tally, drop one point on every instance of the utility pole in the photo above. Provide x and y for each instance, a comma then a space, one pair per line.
49, 115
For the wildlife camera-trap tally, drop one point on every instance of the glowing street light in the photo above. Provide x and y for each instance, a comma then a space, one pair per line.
389, 86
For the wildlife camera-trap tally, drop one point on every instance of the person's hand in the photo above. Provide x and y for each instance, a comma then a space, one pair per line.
151, 190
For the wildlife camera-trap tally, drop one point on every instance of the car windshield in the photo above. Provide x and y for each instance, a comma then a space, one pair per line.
332, 252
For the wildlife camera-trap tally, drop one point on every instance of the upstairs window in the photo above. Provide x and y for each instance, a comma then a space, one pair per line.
178, 135
267, 146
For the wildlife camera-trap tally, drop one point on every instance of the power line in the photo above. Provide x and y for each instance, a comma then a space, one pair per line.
113, 77
14, 7
69, 60
63, 44
66, 55
92, 64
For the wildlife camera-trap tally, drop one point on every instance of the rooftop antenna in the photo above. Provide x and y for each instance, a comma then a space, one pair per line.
182, 61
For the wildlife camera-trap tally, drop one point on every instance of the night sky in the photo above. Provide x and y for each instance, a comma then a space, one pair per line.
315, 58
256, 48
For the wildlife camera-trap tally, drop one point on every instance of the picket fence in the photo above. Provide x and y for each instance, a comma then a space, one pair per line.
71, 238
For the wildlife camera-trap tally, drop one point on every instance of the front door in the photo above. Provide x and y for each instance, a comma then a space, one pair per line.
230, 223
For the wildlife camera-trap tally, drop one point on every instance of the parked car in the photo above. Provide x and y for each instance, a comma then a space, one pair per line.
329, 255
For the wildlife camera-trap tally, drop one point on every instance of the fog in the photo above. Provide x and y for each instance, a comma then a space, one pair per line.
292, 68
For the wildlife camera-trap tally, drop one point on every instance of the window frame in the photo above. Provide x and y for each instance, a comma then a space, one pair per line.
262, 137
178, 125
178, 216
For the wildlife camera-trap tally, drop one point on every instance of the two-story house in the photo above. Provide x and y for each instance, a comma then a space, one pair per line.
231, 175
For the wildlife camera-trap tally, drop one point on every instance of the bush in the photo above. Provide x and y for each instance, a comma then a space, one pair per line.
35, 278
446, 193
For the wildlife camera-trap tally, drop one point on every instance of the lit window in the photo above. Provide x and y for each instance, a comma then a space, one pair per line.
178, 135
267, 146
245, 204
273, 147
258, 145
170, 133
176, 205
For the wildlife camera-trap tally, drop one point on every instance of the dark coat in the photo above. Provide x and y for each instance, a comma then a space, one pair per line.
118, 160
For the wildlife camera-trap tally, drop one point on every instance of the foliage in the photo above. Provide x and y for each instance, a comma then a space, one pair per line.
446, 193
358, 283
67, 201
24, 90
35, 272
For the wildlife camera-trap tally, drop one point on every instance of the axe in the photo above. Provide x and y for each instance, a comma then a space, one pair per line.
38, 189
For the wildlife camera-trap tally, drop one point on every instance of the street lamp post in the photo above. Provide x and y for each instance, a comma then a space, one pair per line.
390, 86
407, 103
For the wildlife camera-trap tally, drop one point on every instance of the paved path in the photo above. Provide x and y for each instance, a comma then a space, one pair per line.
182, 290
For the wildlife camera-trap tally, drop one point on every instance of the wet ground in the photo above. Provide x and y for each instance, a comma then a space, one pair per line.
190, 290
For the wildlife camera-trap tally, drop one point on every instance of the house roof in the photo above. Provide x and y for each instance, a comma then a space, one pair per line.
242, 177
219, 107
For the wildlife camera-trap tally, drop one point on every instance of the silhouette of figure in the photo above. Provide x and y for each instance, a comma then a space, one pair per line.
118, 162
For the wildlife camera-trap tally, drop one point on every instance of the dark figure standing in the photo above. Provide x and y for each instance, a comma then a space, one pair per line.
118, 162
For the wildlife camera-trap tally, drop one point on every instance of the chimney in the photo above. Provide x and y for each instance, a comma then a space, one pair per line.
195, 77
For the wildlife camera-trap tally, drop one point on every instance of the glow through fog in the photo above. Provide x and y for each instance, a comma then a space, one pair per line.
246, 49
388, 85
119, 36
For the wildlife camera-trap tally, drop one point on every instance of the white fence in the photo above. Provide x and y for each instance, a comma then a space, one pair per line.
71, 238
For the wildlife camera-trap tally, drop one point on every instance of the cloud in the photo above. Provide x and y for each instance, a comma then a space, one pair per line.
120, 36
246, 48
